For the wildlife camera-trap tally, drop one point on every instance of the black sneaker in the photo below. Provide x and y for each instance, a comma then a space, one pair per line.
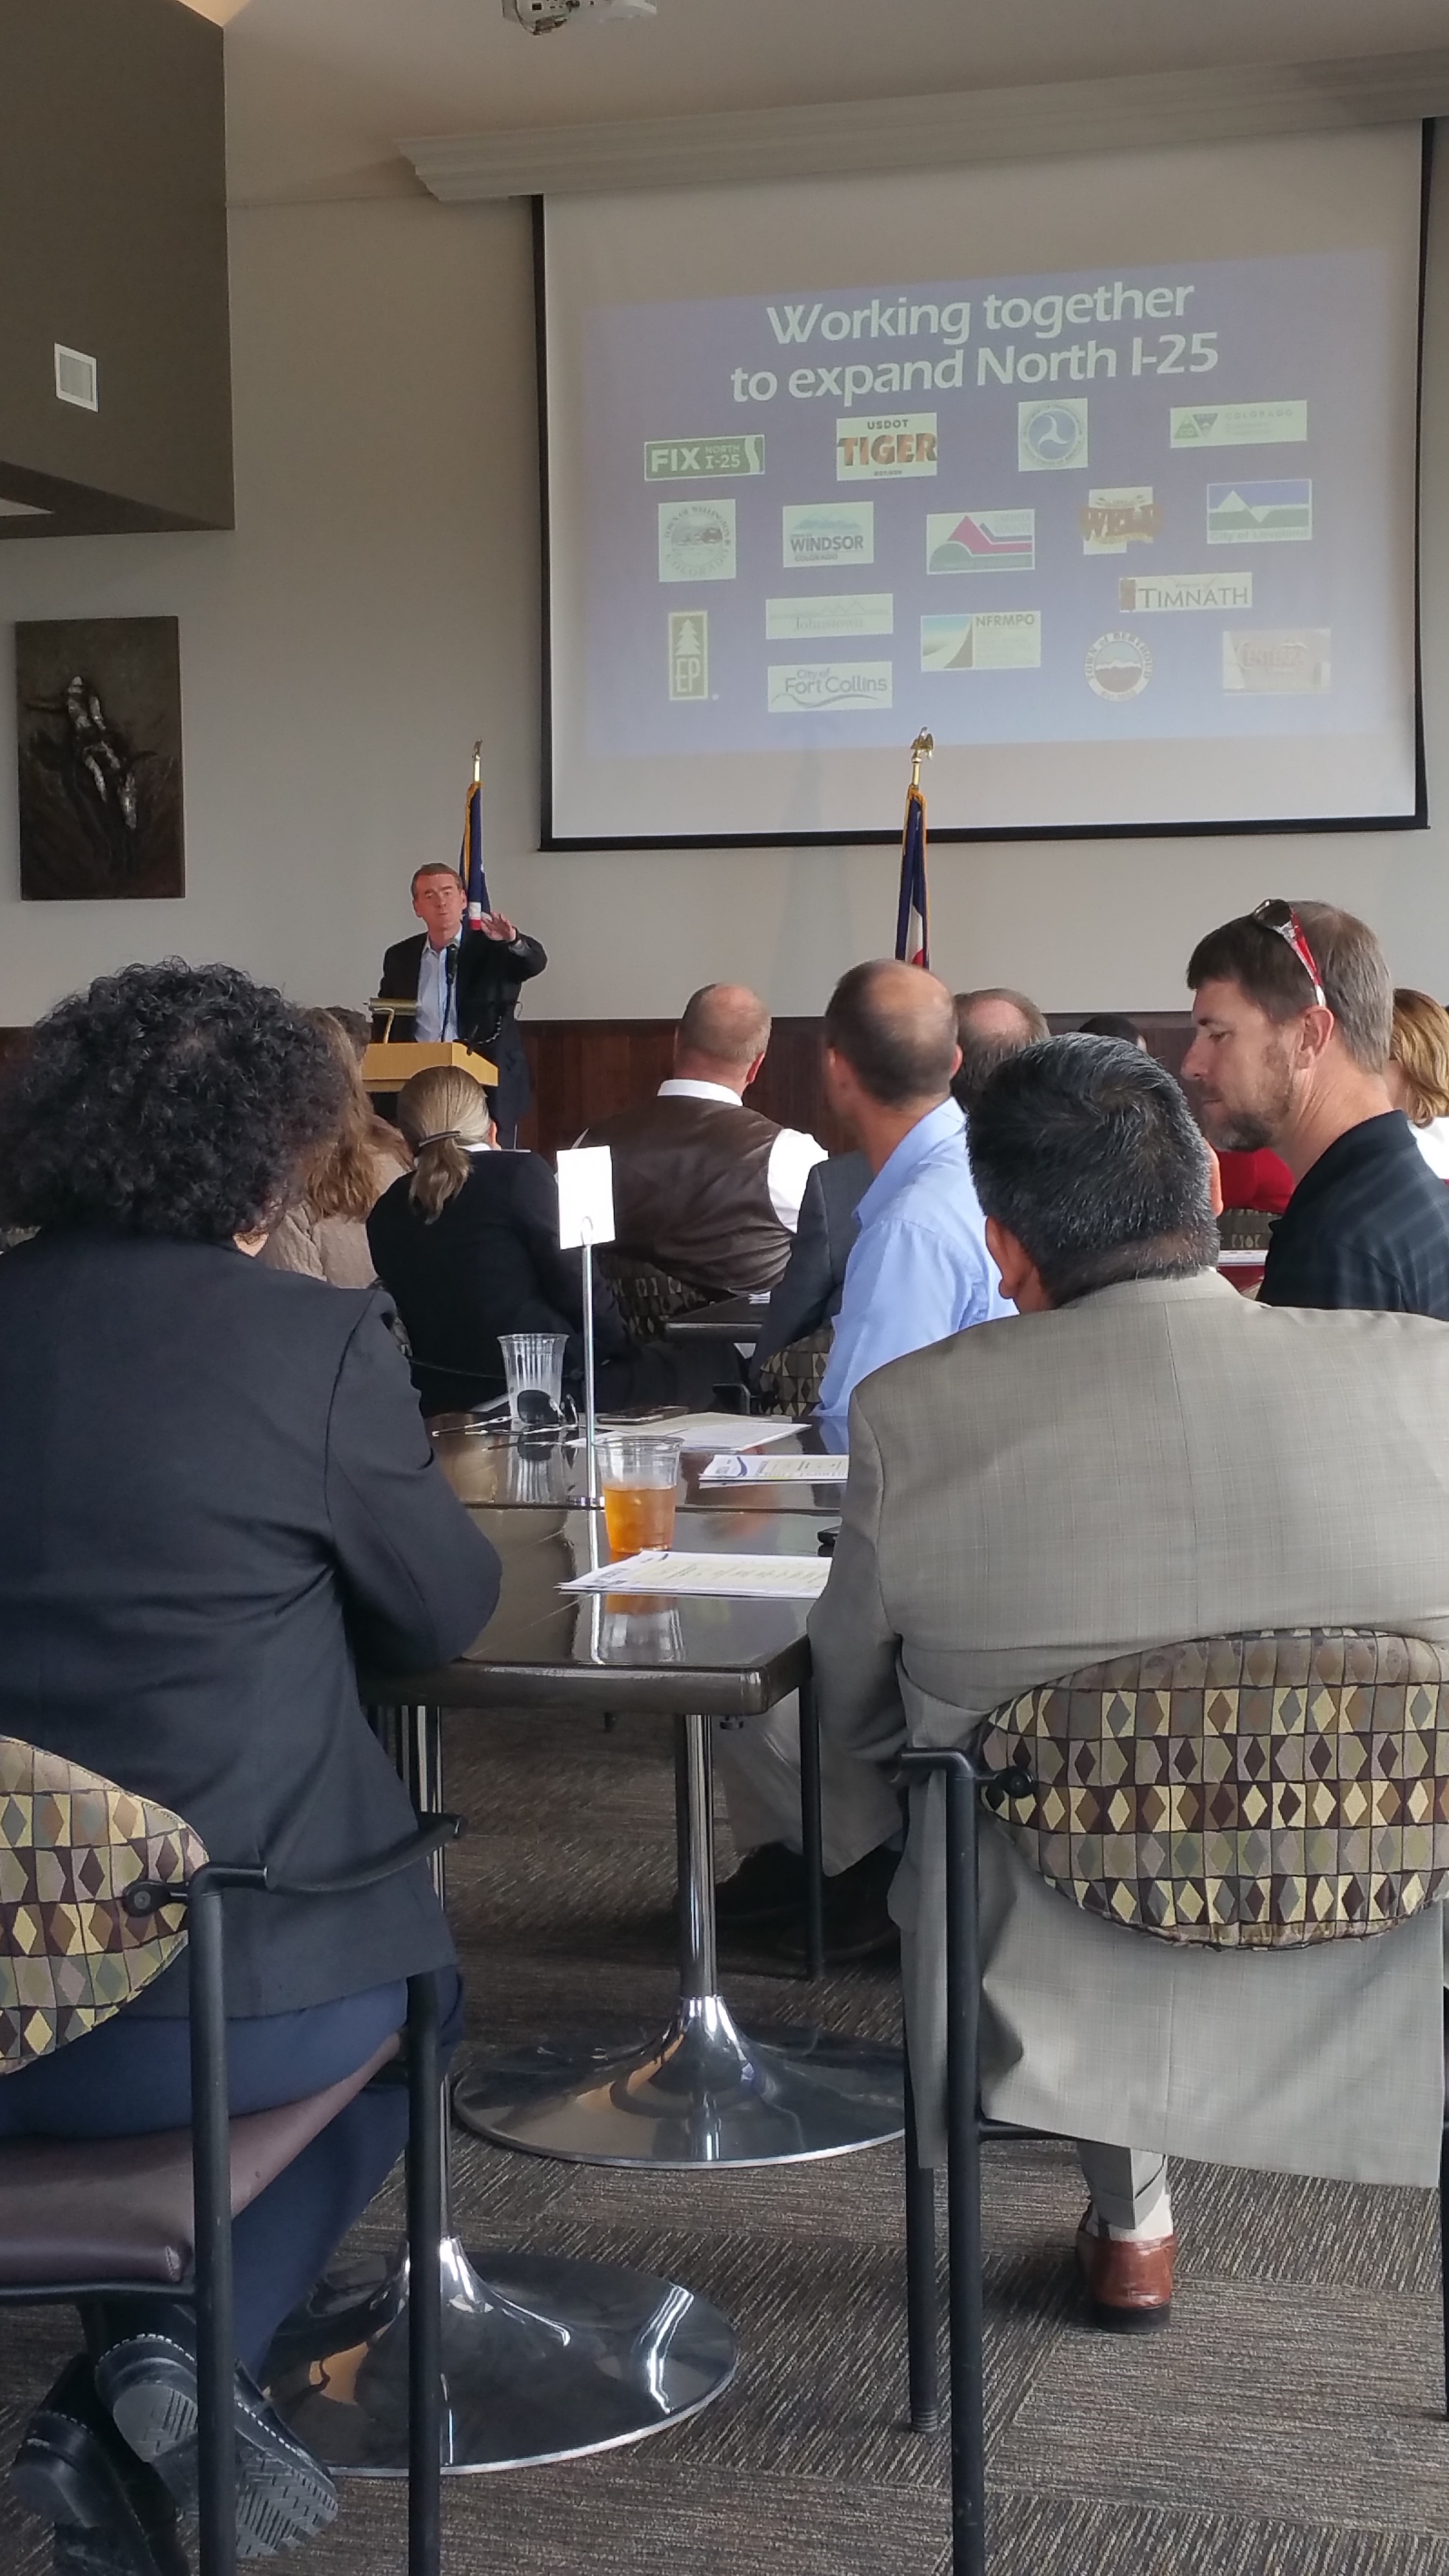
768, 1887
113, 2515
857, 1921
283, 2492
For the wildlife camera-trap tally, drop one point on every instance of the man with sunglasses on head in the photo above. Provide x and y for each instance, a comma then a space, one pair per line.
1293, 1013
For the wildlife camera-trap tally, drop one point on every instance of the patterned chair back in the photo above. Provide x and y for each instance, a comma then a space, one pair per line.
71, 1844
789, 1380
647, 1296
1257, 1792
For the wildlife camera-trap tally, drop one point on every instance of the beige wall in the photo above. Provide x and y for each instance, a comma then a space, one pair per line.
377, 606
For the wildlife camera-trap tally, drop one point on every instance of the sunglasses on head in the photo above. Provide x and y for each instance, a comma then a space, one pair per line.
1281, 917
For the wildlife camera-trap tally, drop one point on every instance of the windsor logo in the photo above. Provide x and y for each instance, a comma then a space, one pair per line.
826, 532
688, 653
1259, 514
885, 449
1050, 435
1006, 639
823, 688
686, 460
981, 541
696, 541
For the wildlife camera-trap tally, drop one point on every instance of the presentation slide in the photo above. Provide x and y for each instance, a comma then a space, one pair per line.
1133, 539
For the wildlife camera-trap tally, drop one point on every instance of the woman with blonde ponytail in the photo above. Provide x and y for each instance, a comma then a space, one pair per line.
467, 1245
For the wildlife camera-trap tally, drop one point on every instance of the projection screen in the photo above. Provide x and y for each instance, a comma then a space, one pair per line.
1102, 471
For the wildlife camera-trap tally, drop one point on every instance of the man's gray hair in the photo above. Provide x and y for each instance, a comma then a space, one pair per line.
1086, 1151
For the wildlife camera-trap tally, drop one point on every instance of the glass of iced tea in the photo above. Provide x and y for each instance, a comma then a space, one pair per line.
639, 1472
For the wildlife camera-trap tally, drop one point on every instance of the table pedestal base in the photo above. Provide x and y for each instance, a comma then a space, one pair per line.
705, 2094
542, 2360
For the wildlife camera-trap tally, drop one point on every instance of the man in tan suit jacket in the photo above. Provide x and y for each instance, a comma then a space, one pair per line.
1141, 1457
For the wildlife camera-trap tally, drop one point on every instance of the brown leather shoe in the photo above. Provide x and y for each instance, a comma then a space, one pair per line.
1129, 2285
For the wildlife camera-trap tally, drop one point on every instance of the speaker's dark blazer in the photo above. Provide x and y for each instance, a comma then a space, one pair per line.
215, 1491
809, 1293
489, 977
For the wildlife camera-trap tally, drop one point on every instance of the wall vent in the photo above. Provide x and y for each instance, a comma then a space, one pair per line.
75, 378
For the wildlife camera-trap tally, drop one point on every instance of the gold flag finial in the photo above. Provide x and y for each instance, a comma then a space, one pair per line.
921, 749
477, 764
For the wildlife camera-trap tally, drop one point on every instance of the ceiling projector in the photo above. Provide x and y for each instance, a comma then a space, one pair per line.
541, 17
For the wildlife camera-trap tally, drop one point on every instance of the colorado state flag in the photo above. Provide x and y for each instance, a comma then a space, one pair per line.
913, 934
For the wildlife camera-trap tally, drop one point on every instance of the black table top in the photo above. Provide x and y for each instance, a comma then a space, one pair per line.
733, 1319
593, 1651
498, 1468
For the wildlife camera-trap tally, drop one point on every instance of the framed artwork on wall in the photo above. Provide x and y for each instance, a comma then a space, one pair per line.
102, 816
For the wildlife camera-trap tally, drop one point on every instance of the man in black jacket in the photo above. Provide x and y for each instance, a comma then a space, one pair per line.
466, 982
1293, 1008
217, 1500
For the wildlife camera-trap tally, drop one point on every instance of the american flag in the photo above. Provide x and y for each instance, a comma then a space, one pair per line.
470, 857
913, 932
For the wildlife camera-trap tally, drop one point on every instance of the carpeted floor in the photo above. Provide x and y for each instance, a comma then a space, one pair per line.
1289, 2424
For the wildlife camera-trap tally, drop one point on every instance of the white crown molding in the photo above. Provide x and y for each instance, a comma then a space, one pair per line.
943, 132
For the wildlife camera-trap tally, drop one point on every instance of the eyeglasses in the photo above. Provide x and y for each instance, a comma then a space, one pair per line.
1281, 917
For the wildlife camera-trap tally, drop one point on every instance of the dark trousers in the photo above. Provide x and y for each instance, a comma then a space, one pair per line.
133, 2076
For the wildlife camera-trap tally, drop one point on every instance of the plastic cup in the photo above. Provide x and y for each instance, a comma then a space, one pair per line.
639, 1474
533, 1375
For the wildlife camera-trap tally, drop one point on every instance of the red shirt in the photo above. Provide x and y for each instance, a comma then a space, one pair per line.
1258, 1181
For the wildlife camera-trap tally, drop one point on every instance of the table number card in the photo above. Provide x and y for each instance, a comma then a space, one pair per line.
585, 1197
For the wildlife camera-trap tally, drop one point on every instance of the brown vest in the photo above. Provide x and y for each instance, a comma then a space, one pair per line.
691, 1192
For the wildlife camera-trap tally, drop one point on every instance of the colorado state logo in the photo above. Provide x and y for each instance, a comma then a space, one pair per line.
1119, 666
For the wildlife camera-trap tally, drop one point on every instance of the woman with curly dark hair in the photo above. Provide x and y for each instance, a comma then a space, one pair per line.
215, 1489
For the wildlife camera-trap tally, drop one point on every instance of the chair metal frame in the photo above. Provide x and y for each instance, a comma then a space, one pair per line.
210, 2288
967, 2127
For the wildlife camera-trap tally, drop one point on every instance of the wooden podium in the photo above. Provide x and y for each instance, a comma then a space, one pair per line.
387, 1066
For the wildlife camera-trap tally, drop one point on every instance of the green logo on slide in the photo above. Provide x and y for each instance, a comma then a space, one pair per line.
692, 460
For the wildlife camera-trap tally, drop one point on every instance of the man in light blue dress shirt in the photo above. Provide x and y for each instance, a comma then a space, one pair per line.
919, 1268
918, 1271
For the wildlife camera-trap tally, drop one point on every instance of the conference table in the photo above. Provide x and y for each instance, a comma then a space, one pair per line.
545, 2358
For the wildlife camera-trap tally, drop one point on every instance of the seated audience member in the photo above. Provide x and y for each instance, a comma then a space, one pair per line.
467, 1245
216, 1493
1418, 1073
1110, 1024
1261, 1182
1294, 1016
990, 1025
705, 1188
1142, 1459
808, 1296
919, 1268
355, 1026
324, 1232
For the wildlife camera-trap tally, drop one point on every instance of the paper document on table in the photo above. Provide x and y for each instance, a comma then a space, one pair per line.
768, 1468
719, 1430
738, 1578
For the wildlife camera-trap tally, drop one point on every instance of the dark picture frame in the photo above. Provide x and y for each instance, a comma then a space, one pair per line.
99, 775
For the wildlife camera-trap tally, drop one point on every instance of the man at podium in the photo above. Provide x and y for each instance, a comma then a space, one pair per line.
465, 984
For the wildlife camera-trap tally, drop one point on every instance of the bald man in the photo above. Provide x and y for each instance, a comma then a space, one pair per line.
919, 1268
991, 1024
703, 1187
918, 1272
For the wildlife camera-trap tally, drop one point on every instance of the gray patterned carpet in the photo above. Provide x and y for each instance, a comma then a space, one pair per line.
1290, 2424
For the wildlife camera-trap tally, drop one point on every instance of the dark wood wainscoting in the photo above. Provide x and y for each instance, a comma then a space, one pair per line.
584, 1069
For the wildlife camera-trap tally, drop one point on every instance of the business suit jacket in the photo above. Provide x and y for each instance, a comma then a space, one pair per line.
1160, 1461
489, 1263
215, 1490
809, 1293
490, 977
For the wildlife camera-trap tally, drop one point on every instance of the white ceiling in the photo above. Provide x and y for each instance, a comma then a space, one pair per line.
319, 90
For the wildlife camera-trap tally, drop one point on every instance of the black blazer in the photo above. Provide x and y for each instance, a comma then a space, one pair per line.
809, 1293
489, 977
489, 1264
214, 1491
